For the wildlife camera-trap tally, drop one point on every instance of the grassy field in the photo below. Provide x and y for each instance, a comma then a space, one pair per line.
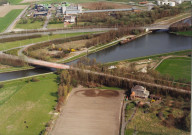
35, 25
184, 33
8, 19
14, 1
179, 68
9, 45
25, 104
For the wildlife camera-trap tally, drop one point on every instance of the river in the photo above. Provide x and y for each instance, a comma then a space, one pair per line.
151, 44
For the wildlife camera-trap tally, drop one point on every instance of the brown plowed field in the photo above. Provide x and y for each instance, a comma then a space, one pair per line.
90, 112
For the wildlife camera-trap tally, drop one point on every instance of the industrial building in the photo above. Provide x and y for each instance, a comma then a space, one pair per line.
167, 2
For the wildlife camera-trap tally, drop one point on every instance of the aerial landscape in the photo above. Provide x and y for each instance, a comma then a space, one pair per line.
95, 67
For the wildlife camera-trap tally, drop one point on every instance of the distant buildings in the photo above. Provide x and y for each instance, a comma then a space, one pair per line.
170, 3
67, 9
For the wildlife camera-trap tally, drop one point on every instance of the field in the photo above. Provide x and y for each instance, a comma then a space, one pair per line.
4, 10
9, 45
90, 112
26, 107
8, 19
29, 25
179, 68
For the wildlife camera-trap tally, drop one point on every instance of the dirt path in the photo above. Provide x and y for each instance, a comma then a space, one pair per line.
90, 112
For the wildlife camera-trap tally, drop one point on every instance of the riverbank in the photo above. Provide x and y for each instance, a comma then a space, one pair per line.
182, 33
95, 49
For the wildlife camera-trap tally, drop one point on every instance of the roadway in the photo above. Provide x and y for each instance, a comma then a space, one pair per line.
57, 32
12, 25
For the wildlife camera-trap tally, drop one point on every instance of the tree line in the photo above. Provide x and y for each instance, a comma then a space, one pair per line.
111, 35
130, 19
11, 61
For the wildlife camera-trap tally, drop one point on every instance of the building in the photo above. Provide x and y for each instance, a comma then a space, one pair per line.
166, 2
140, 91
40, 14
69, 18
72, 9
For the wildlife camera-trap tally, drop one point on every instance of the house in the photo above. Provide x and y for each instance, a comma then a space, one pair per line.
140, 91
70, 19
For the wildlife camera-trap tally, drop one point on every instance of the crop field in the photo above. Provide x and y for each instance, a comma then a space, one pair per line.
179, 68
26, 106
8, 19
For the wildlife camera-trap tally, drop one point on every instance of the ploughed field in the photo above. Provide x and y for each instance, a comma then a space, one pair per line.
90, 112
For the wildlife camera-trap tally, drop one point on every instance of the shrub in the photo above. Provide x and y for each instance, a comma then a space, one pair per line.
34, 79
74, 83
1, 86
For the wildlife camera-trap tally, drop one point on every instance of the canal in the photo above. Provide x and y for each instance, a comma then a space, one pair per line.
151, 44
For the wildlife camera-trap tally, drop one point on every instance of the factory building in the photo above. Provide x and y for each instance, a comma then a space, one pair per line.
72, 9
170, 3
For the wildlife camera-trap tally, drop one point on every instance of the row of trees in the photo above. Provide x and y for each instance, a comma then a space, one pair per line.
131, 73
11, 61
180, 26
111, 35
66, 82
3, 40
131, 19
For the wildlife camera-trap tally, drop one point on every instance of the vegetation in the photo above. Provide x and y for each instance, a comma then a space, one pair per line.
11, 61
165, 117
128, 18
3, 40
8, 19
9, 45
27, 105
179, 68
30, 24
65, 86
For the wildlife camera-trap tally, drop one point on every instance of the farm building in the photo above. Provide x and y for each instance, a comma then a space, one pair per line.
140, 91
70, 19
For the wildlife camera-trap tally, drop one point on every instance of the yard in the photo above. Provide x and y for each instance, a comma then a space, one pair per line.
179, 68
26, 106
8, 19
147, 121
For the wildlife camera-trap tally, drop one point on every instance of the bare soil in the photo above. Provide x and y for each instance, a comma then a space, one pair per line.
90, 112
6, 9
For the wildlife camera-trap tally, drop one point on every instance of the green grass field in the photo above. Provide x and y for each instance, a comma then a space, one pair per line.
185, 33
179, 68
32, 102
14, 1
8, 19
9, 45
35, 25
